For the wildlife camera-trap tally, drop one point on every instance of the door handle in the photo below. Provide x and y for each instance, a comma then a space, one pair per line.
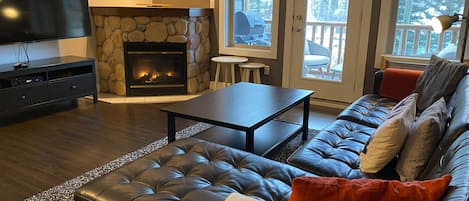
299, 23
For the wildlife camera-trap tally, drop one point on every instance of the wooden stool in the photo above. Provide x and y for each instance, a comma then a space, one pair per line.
231, 60
245, 70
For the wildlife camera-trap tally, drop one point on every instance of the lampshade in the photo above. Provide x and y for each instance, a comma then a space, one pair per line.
443, 22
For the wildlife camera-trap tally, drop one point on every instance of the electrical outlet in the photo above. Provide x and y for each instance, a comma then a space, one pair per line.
266, 70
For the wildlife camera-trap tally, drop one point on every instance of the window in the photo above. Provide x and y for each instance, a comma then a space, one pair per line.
249, 27
414, 35
406, 31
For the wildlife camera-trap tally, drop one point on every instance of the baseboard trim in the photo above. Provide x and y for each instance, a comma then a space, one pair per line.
329, 103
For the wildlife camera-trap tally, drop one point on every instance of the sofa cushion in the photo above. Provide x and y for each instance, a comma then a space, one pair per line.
454, 161
192, 169
390, 136
370, 110
334, 150
398, 83
439, 79
458, 114
422, 141
339, 189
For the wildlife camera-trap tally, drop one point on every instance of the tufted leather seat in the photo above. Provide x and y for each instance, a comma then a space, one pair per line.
334, 151
369, 110
193, 169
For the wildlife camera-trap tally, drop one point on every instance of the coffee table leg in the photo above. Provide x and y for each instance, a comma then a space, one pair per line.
250, 141
305, 118
171, 127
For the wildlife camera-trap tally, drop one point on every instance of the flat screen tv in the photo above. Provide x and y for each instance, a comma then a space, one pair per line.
38, 20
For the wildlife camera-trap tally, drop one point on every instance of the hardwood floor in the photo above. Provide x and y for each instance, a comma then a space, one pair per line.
46, 147
45, 150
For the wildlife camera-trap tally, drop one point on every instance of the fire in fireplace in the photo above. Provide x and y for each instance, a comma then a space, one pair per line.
155, 68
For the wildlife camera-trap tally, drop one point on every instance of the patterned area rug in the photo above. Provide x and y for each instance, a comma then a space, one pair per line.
64, 191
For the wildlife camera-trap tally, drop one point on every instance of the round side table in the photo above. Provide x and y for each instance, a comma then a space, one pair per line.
228, 61
245, 70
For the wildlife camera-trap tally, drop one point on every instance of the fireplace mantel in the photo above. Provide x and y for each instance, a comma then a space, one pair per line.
151, 11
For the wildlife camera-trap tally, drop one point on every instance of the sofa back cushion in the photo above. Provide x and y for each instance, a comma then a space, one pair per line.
423, 138
339, 189
439, 79
458, 114
451, 156
454, 161
398, 83
390, 136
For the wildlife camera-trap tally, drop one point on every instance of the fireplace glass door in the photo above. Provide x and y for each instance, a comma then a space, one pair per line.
155, 69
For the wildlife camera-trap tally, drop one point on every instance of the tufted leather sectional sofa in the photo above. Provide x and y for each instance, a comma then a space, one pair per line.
192, 169
334, 151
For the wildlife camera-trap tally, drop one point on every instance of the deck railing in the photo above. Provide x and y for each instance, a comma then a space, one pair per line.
410, 40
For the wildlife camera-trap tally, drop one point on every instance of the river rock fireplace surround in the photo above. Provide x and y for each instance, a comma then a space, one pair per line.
116, 26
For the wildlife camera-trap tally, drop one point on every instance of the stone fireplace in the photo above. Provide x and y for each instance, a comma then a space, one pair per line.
116, 26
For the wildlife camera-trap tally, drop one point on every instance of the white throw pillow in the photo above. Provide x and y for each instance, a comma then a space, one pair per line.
389, 137
239, 197
422, 141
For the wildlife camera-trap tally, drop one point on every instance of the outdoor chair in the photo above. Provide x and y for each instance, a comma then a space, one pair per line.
316, 57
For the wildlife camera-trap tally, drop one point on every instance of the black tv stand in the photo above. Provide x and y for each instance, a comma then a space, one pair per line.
46, 81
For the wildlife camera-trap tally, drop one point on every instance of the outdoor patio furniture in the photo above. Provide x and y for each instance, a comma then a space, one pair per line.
316, 57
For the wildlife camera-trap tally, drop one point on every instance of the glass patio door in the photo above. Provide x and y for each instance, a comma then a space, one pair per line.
333, 34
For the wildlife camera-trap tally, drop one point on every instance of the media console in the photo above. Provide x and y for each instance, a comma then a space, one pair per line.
46, 81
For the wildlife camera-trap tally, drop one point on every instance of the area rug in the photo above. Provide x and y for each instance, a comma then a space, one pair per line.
65, 191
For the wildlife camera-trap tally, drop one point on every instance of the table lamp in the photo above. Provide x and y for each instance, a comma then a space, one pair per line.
444, 22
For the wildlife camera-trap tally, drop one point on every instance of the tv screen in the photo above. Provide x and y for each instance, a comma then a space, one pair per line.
37, 20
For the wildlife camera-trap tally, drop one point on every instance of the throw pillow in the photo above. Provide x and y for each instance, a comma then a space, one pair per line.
389, 137
398, 83
422, 140
239, 197
439, 79
340, 189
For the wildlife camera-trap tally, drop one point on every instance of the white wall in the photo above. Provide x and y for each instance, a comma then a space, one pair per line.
40, 50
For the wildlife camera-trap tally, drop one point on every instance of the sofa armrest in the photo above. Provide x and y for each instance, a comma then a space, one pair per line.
397, 83
377, 82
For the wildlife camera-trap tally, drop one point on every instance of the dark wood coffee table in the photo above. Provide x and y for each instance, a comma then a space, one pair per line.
243, 115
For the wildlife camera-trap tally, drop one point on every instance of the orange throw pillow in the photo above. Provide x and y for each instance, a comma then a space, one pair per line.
398, 83
338, 189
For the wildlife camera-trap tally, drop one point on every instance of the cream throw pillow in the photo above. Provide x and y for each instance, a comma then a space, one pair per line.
422, 141
389, 137
239, 197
